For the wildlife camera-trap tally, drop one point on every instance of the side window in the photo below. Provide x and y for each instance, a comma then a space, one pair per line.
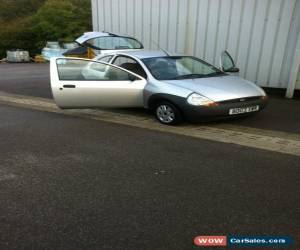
121, 61
84, 70
130, 64
105, 59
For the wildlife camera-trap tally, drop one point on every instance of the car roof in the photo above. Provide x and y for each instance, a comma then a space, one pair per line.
141, 54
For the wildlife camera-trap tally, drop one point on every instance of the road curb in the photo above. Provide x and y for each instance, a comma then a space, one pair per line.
276, 141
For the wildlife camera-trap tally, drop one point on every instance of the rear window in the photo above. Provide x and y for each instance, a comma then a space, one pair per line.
114, 43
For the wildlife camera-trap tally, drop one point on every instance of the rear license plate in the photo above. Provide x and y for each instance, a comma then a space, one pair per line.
236, 111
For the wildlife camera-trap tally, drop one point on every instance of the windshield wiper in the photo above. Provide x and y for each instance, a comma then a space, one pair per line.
188, 76
215, 74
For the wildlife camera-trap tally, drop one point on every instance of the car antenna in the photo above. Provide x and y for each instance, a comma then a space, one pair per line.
167, 53
164, 50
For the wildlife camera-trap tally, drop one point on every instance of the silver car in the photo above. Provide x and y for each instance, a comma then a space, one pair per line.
176, 88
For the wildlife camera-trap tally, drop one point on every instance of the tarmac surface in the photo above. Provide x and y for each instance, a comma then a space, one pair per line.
70, 182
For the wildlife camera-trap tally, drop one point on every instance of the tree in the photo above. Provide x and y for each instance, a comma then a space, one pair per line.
12, 9
60, 20
28, 24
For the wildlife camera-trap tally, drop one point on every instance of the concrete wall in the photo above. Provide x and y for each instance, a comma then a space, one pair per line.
261, 35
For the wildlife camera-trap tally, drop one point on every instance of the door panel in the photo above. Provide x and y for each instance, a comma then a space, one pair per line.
81, 83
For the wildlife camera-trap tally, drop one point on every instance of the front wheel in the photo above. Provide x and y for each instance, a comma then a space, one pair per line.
167, 113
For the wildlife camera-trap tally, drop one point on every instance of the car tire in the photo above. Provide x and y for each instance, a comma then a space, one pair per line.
167, 113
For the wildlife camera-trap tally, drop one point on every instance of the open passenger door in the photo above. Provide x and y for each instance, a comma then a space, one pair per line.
83, 83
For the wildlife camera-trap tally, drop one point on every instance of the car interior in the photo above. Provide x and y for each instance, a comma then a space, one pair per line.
163, 69
135, 68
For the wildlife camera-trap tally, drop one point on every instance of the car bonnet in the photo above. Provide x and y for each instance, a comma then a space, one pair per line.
220, 88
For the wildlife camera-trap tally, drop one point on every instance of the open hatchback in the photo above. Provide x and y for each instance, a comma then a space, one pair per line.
95, 43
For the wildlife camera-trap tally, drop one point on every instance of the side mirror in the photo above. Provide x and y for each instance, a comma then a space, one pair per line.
233, 70
227, 64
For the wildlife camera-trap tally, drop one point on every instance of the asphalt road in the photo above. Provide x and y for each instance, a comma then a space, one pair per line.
34, 80
26, 78
72, 183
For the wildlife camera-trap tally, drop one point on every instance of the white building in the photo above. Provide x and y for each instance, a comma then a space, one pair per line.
263, 36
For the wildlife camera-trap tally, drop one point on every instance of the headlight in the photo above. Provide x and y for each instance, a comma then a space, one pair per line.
264, 97
199, 100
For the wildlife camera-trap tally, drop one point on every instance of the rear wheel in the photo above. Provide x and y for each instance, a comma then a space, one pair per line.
167, 113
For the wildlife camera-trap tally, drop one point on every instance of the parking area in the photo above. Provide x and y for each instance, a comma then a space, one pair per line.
117, 179
34, 80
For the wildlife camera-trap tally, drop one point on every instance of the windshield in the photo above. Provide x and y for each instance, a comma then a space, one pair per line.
180, 67
114, 43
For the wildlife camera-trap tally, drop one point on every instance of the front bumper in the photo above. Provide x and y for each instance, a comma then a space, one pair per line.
204, 113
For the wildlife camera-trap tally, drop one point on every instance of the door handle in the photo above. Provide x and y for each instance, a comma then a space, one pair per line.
69, 86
